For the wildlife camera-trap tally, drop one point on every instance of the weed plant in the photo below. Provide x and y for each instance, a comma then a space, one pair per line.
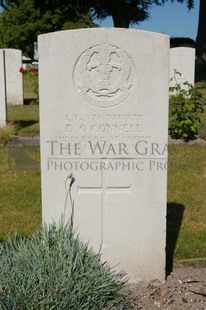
53, 269
6, 133
186, 105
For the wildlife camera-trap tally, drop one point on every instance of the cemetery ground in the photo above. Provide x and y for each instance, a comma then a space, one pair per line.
185, 288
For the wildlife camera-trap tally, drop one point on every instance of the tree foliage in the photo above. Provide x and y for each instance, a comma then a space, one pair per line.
123, 12
23, 20
201, 33
128, 12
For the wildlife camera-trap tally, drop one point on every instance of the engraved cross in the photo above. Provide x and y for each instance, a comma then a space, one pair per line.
102, 190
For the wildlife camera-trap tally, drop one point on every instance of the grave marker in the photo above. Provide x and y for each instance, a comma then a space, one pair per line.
14, 79
182, 60
103, 116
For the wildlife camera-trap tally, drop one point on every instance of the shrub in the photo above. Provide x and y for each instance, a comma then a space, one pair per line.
185, 108
54, 270
6, 133
35, 82
202, 132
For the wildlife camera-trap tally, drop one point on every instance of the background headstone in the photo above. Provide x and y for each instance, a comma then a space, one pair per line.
103, 116
26, 61
182, 60
2, 90
14, 79
36, 56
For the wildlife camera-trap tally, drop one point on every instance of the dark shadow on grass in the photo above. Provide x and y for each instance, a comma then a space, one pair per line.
31, 101
23, 157
175, 213
24, 124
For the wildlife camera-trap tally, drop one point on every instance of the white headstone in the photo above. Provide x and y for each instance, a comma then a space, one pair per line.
36, 56
103, 114
2, 90
14, 79
182, 60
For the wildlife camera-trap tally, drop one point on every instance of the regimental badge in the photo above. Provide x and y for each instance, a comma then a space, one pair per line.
104, 75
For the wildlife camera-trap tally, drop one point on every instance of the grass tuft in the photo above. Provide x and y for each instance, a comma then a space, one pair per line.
53, 269
6, 133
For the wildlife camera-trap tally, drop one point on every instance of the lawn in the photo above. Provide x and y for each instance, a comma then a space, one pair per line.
20, 202
20, 193
187, 199
26, 119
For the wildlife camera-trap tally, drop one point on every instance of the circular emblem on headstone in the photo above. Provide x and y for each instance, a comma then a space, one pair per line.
104, 75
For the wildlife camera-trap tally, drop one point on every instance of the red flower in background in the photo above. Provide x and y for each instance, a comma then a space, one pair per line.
32, 69
21, 70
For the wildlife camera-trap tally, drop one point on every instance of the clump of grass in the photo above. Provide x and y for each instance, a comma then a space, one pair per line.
6, 133
53, 269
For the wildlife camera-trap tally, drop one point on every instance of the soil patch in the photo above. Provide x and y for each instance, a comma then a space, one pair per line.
184, 289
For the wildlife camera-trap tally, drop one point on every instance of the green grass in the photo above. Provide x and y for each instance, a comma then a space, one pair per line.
187, 194
26, 118
6, 133
29, 95
20, 204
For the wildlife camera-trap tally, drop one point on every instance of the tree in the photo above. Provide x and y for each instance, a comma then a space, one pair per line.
124, 13
23, 20
201, 32
127, 12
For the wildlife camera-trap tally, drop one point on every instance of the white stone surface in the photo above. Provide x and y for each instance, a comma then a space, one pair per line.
103, 115
14, 79
182, 60
2, 91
